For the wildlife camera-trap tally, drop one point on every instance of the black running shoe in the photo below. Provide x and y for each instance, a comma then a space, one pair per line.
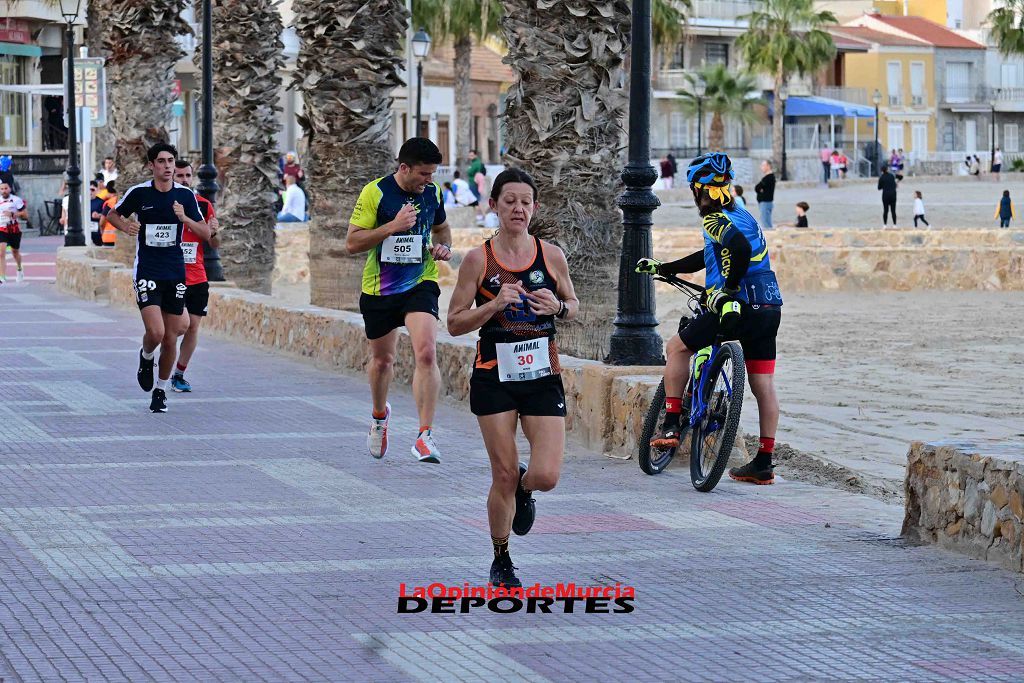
526, 507
145, 372
159, 402
503, 573
753, 473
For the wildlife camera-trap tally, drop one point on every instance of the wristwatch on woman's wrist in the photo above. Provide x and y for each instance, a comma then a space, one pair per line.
563, 310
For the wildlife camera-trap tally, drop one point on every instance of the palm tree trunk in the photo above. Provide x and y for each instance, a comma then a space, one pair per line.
102, 137
716, 138
247, 60
564, 118
463, 102
778, 123
141, 53
348, 64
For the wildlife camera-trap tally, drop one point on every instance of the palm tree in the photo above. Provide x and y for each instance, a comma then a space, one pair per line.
347, 68
727, 95
1008, 27
141, 51
786, 37
247, 59
564, 125
461, 22
103, 138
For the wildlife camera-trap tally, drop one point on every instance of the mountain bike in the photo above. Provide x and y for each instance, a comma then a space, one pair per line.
712, 403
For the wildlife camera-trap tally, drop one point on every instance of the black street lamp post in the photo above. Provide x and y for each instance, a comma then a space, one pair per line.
635, 340
420, 49
700, 88
207, 173
875, 154
992, 127
75, 236
783, 96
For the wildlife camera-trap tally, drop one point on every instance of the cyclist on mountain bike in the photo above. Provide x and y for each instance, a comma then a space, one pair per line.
743, 302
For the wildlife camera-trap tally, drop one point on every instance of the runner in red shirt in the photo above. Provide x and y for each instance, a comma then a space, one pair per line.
11, 209
197, 296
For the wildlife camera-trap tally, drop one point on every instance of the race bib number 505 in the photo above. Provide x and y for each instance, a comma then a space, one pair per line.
402, 249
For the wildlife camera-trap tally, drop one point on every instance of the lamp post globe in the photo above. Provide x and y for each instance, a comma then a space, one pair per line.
420, 49
876, 98
75, 235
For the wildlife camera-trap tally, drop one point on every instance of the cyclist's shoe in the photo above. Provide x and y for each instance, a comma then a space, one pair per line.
526, 507
668, 437
425, 449
753, 473
503, 573
145, 373
159, 402
377, 439
180, 384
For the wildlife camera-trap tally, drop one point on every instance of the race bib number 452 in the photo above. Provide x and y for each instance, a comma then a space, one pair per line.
161, 235
402, 249
523, 360
190, 249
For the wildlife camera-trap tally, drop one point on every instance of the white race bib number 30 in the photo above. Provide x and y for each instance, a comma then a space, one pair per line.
525, 360
189, 249
402, 249
161, 235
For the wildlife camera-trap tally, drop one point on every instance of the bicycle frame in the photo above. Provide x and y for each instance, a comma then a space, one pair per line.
698, 407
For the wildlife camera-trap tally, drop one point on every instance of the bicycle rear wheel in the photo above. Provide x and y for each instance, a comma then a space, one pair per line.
655, 460
713, 436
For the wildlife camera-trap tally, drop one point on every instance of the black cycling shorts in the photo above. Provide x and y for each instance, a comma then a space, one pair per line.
12, 238
169, 295
756, 331
381, 314
197, 298
544, 396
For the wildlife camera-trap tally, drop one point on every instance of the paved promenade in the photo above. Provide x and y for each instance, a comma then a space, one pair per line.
246, 535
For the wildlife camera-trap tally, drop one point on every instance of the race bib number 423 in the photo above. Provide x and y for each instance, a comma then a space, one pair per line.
402, 249
523, 360
161, 235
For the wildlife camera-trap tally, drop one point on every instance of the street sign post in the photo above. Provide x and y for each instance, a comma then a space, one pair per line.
91, 88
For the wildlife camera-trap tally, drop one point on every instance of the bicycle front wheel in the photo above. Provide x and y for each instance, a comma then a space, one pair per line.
714, 434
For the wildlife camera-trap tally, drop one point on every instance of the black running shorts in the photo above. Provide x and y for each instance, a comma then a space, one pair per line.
756, 331
12, 238
540, 397
381, 314
169, 295
197, 298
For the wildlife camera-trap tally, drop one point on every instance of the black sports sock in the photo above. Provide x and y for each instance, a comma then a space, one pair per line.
500, 546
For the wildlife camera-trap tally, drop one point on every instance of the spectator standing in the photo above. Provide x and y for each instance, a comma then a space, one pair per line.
801, 214
833, 163
294, 209
826, 162
1004, 212
843, 162
997, 163
109, 170
675, 166
975, 166
765, 193
887, 184
476, 165
667, 174
919, 209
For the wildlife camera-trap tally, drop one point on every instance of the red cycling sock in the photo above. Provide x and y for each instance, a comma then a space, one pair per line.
767, 445
673, 404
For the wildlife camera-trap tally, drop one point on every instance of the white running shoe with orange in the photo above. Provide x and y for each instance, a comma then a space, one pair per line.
425, 449
377, 439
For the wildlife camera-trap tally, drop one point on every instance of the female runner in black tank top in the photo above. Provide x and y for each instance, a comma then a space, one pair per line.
521, 286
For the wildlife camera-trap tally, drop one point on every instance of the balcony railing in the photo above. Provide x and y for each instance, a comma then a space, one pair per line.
843, 93
1008, 94
919, 100
964, 94
721, 9
671, 79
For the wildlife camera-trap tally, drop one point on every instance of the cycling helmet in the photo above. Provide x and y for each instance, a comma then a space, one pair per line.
5, 162
712, 171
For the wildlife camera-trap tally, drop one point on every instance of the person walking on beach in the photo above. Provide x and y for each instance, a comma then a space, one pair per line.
765, 193
1004, 212
919, 209
887, 184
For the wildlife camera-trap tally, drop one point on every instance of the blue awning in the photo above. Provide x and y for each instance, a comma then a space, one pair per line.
824, 106
20, 50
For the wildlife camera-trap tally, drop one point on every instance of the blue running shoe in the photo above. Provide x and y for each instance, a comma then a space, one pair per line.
179, 383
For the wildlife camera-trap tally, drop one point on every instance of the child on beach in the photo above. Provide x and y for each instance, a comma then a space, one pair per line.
738, 199
919, 209
801, 214
1004, 212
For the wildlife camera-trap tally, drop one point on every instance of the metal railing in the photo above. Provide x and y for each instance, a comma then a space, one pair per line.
964, 94
721, 9
843, 93
39, 164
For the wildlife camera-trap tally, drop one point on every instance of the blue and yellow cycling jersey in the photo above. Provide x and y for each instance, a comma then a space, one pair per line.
759, 285
391, 268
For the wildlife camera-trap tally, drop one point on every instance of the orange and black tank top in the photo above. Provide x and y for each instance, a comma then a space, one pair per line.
515, 323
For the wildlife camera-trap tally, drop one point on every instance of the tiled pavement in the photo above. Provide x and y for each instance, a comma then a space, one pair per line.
246, 535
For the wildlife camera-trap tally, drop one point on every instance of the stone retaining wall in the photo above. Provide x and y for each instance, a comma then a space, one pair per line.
606, 405
969, 498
